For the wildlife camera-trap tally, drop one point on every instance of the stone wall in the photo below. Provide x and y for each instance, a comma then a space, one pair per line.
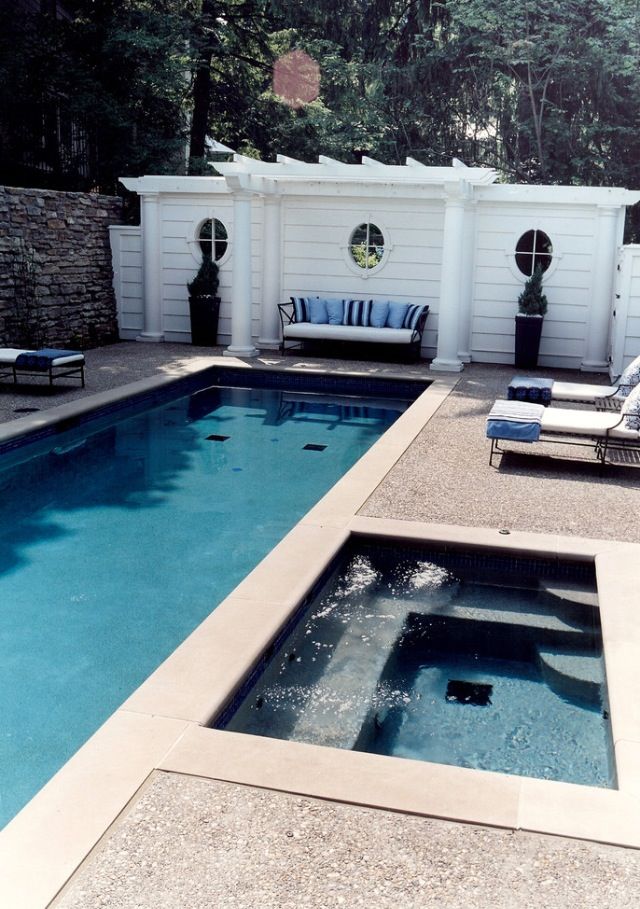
56, 278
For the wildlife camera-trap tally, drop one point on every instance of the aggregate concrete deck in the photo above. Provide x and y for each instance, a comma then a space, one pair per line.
189, 842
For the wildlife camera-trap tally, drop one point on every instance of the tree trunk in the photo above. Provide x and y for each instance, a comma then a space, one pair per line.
202, 81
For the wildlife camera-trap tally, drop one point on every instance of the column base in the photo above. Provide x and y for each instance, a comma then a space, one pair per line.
246, 352
269, 343
594, 366
441, 365
150, 337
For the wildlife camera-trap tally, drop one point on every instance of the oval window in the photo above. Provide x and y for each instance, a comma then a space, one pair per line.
367, 246
534, 249
213, 239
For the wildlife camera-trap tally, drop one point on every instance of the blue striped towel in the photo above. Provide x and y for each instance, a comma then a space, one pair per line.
529, 388
517, 420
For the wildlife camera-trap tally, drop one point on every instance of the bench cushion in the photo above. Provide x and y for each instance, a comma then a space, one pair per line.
307, 331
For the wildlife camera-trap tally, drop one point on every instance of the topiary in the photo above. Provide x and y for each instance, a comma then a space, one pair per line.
205, 283
532, 302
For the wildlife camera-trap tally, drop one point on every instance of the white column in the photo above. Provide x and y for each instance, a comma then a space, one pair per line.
466, 287
241, 345
453, 255
596, 358
151, 269
271, 272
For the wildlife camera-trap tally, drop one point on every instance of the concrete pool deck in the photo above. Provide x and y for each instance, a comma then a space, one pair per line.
188, 841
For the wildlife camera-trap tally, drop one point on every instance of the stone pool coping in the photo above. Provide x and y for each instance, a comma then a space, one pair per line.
161, 726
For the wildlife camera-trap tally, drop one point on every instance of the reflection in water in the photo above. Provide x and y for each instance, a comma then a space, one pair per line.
115, 545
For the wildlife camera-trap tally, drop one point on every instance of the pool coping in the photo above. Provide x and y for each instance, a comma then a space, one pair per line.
163, 724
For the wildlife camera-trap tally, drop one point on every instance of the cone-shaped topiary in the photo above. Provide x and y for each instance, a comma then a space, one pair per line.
205, 283
532, 302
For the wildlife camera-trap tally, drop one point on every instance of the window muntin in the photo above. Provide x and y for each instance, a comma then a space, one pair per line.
366, 246
213, 239
534, 249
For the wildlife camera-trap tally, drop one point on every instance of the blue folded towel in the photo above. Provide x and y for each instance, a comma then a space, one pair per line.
529, 388
519, 421
42, 359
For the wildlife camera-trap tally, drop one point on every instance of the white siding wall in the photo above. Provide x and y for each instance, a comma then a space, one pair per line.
180, 257
126, 249
315, 236
628, 306
498, 283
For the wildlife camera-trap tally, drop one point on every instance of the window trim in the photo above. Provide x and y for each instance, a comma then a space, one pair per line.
510, 251
369, 220
193, 239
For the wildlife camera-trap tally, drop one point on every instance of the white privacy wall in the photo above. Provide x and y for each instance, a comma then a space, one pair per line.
450, 236
628, 308
126, 250
178, 260
316, 260
498, 282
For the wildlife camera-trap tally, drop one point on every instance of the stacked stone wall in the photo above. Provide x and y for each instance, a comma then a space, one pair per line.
56, 276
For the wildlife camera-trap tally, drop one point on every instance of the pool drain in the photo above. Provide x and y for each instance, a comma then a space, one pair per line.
476, 694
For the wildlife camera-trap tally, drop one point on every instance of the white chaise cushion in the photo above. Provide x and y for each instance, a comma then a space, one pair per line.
9, 355
577, 391
594, 424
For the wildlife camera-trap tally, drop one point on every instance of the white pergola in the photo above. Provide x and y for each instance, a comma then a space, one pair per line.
247, 177
457, 190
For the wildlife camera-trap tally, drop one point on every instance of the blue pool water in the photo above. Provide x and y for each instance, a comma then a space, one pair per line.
481, 661
115, 545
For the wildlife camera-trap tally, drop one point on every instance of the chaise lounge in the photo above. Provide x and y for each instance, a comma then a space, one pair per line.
602, 432
50, 362
545, 391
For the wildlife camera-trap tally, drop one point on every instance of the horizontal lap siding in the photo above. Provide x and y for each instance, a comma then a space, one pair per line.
180, 261
315, 236
126, 246
632, 334
497, 283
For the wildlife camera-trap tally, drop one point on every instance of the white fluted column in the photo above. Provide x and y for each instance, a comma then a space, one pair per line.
466, 284
151, 269
271, 273
241, 345
596, 358
453, 253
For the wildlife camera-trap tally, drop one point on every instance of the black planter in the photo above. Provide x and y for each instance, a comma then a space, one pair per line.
528, 332
204, 313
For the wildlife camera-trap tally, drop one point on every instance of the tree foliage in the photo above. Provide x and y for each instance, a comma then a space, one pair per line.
545, 91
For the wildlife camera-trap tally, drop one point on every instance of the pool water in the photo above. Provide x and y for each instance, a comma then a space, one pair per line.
482, 662
115, 545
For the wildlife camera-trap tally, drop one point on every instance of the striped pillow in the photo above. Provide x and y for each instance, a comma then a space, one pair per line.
413, 315
301, 309
356, 312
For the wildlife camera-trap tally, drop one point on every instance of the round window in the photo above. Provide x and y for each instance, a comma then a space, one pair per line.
213, 239
533, 250
367, 246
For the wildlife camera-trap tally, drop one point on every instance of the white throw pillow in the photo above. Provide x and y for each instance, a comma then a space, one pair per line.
629, 379
631, 410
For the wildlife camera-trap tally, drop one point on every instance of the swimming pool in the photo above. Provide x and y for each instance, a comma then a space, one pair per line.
117, 540
472, 659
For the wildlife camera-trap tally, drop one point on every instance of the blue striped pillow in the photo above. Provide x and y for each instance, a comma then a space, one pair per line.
356, 312
301, 309
413, 315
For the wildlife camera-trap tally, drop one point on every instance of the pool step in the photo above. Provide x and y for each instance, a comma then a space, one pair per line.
509, 616
342, 699
571, 593
576, 676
